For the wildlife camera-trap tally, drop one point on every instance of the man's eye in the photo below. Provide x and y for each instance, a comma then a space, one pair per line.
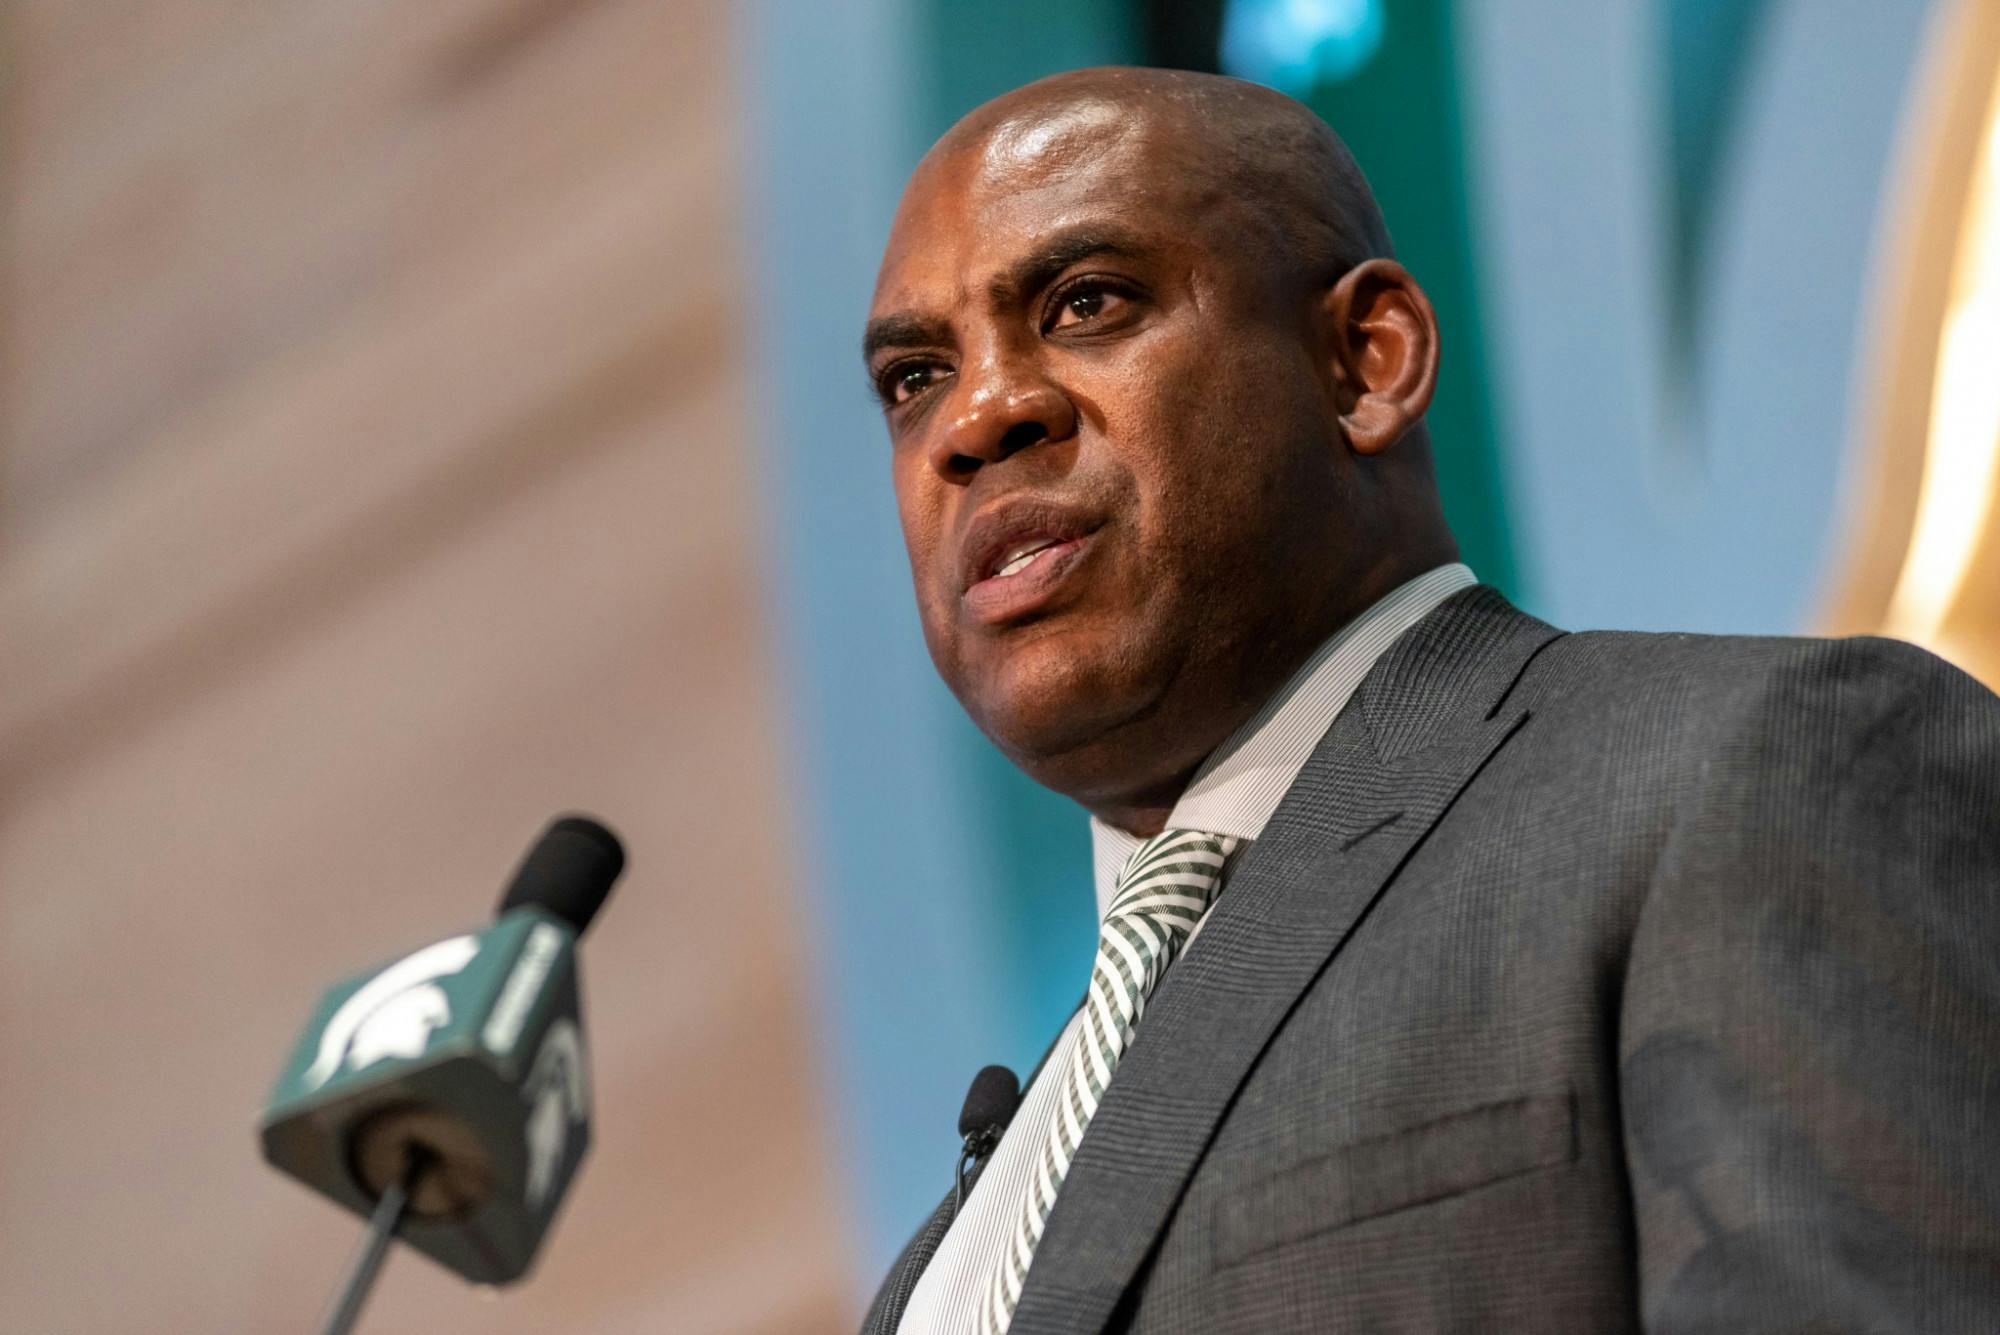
904, 383
1084, 305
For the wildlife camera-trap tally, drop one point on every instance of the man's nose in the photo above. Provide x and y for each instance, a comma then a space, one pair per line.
1003, 415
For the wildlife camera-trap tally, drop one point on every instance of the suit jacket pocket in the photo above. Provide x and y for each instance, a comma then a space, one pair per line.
1373, 1177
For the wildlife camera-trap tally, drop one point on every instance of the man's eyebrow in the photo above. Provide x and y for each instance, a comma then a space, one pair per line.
1057, 252
903, 330
1030, 273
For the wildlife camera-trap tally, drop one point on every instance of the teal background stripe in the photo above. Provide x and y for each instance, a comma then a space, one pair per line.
1400, 114
974, 51
1710, 48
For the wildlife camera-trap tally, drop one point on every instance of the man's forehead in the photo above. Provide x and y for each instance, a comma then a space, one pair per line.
980, 203
1049, 144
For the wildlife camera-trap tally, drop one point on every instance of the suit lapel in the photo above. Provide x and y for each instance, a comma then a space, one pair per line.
1424, 722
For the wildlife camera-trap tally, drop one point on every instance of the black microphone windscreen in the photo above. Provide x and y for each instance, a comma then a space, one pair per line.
568, 872
990, 1103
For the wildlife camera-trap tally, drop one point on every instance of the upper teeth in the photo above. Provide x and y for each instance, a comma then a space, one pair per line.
1023, 554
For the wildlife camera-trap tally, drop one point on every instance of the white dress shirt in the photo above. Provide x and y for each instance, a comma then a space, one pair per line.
1234, 792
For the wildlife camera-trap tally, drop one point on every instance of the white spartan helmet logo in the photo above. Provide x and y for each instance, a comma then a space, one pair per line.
393, 1014
558, 1094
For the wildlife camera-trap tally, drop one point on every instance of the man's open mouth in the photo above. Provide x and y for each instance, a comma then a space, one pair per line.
1016, 554
1026, 556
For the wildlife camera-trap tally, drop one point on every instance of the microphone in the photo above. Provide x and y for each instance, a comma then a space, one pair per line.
989, 1107
449, 1090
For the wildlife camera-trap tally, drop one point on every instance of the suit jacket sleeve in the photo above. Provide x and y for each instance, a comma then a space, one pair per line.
1809, 1038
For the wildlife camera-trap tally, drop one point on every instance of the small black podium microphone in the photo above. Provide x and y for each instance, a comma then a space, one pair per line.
989, 1107
445, 1096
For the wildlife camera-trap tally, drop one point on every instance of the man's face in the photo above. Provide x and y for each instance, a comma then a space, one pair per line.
1114, 449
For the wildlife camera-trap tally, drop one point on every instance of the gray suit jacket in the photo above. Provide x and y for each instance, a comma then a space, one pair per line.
1585, 982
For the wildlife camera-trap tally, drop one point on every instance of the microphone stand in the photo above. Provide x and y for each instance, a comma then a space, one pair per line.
382, 1226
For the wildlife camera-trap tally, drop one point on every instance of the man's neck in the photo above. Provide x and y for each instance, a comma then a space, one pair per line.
1238, 789
1145, 810
1144, 814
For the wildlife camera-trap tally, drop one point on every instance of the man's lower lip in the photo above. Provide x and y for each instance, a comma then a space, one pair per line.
1000, 597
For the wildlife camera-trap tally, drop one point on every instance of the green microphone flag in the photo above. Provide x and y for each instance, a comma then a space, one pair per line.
468, 1052
460, 1071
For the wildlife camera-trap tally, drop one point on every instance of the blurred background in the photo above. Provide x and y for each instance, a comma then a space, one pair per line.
422, 419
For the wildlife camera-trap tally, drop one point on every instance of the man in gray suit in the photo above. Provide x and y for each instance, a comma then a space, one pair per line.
1457, 973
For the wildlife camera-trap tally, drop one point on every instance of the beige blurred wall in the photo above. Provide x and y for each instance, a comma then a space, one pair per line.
380, 479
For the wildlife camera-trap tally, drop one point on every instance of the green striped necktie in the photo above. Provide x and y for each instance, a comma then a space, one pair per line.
1166, 886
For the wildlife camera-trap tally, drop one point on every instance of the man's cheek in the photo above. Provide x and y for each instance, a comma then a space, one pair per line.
923, 529
941, 640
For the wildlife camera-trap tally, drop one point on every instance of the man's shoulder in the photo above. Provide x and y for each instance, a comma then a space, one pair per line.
1747, 671
1711, 692
1671, 708
1479, 622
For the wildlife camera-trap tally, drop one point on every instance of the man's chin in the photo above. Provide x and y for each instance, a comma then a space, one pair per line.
1053, 715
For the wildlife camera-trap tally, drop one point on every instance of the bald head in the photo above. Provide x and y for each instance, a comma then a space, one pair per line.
1252, 155
1154, 386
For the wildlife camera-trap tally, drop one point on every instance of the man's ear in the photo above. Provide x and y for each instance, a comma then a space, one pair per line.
1383, 342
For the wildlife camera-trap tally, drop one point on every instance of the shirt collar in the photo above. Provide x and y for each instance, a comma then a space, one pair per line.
1241, 783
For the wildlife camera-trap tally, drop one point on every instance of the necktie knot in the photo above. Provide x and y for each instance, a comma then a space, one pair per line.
1172, 876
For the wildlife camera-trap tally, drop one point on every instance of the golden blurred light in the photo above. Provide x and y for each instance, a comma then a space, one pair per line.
1919, 553
1961, 460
